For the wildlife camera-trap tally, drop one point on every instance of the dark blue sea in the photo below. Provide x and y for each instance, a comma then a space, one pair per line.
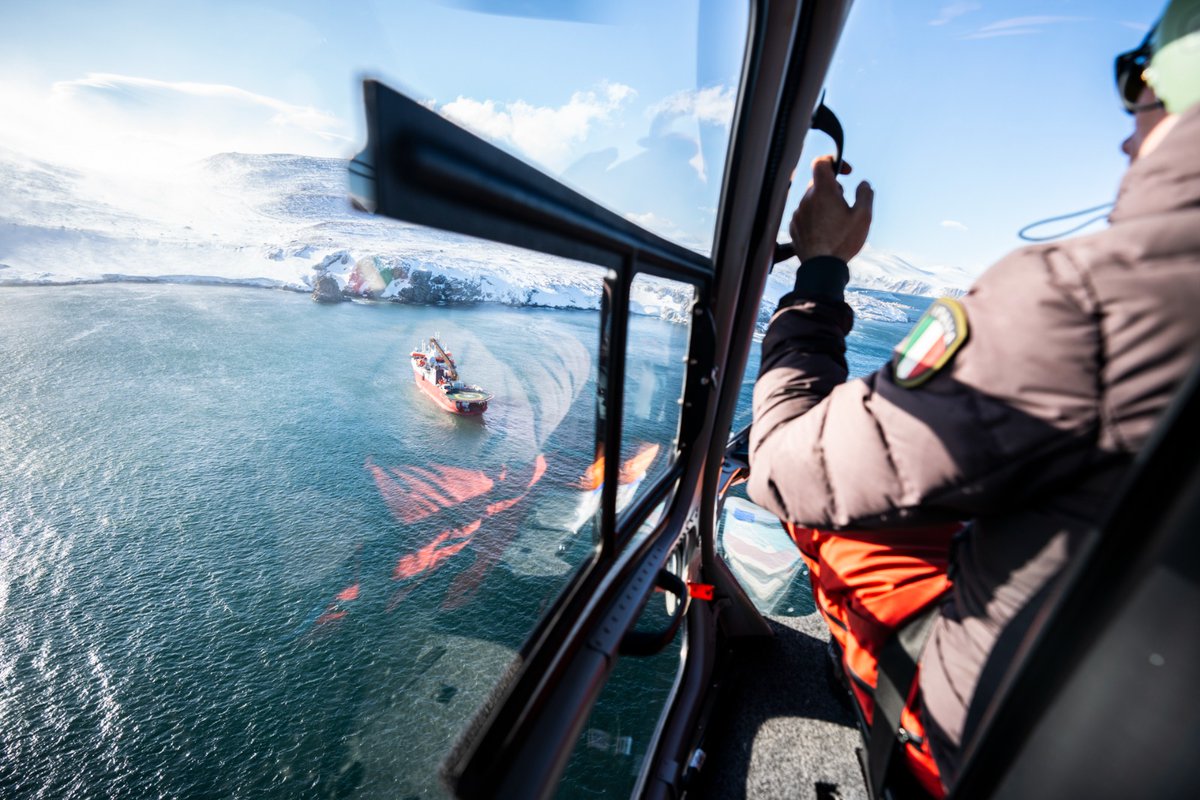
242, 556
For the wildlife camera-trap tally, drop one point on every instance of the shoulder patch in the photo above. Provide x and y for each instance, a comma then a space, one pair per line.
930, 345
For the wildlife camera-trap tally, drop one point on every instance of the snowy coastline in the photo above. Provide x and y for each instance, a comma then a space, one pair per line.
283, 222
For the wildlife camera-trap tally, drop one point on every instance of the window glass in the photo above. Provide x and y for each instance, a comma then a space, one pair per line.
615, 741
256, 544
629, 102
655, 367
970, 121
880, 321
762, 557
246, 546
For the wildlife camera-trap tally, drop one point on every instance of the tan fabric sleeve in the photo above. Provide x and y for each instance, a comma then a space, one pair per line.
1012, 412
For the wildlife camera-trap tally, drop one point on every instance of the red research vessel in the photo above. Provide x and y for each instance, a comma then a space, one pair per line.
437, 375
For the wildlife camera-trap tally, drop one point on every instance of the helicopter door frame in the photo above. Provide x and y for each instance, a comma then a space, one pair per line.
421, 168
788, 58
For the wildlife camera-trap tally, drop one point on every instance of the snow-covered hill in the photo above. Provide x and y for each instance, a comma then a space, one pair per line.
283, 221
877, 269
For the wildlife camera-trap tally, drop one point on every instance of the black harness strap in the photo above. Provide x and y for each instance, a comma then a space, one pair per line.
897, 667
1003, 656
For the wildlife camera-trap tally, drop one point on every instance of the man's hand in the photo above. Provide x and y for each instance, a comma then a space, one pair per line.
824, 225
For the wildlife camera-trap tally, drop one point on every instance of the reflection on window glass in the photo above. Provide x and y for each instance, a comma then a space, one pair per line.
952, 191
629, 102
762, 557
256, 545
263, 547
608, 757
655, 366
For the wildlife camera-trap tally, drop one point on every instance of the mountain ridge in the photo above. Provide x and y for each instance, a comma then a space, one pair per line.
283, 221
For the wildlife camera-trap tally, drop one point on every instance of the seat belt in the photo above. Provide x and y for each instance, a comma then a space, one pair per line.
1003, 656
897, 668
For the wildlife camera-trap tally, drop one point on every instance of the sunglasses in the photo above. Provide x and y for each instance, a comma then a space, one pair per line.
1130, 83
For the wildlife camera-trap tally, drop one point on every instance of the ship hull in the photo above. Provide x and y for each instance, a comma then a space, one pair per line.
448, 401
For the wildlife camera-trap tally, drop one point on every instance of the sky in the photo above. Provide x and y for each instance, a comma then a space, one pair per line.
970, 118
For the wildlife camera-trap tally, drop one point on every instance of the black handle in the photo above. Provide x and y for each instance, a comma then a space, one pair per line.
783, 251
647, 643
824, 120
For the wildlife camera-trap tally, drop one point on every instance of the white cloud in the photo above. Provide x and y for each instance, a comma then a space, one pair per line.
1020, 26
646, 220
1003, 32
548, 135
713, 105
119, 123
1034, 21
954, 224
953, 11
656, 223
1140, 27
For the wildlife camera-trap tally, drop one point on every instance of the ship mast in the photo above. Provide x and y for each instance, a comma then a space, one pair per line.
452, 371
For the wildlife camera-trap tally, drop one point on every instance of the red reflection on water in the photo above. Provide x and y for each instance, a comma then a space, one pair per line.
503, 505
635, 468
593, 476
448, 543
444, 545
414, 493
336, 610
539, 469
467, 583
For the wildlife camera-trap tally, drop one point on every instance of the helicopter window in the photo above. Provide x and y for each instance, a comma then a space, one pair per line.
243, 547
611, 751
953, 182
654, 372
342, 554
762, 557
630, 103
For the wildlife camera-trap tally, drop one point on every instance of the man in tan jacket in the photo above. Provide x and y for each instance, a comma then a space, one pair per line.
1018, 407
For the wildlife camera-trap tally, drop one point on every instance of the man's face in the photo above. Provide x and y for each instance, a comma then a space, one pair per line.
1143, 123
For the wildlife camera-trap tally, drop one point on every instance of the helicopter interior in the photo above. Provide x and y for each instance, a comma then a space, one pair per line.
569, 594
750, 711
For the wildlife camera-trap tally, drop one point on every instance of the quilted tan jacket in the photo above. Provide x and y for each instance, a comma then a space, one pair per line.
1072, 352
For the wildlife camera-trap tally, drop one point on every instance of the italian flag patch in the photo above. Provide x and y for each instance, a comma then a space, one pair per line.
939, 333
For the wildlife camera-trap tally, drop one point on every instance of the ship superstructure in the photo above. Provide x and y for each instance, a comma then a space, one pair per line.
437, 375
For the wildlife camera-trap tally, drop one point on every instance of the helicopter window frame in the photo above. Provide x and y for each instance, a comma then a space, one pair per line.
516, 738
420, 167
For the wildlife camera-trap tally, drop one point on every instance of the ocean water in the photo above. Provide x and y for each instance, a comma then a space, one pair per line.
241, 555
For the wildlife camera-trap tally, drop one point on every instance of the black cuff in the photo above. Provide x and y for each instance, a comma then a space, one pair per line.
822, 278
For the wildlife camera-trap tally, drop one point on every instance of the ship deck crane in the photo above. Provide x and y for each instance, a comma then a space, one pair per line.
451, 370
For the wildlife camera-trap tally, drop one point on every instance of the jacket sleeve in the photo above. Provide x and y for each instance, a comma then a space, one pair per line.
1014, 411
